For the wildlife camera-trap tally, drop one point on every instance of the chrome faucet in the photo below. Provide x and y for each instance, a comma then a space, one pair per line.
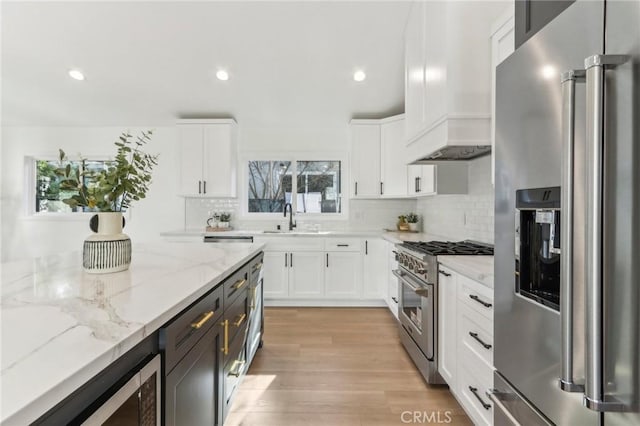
292, 224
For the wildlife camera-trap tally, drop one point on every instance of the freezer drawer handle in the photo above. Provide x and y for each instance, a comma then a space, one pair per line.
474, 391
446, 274
480, 301
475, 336
597, 230
394, 299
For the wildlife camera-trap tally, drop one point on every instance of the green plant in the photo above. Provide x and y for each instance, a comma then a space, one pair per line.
225, 217
125, 179
412, 218
402, 218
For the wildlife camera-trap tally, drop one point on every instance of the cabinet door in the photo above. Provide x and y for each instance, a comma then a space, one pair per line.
393, 167
375, 269
428, 182
365, 160
193, 389
343, 275
190, 139
447, 332
392, 281
220, 154
435, 62
502, 45
414, 69
306, 274
276, 275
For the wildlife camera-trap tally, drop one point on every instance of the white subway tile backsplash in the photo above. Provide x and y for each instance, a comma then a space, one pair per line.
468, 216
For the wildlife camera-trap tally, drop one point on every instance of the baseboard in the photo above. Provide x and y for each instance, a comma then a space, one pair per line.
324, 303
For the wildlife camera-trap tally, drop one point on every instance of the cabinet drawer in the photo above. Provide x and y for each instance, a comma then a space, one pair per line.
476, 296
475, 339
238, 314
179, 336
343, 244
235, 365
291, 243
255, 268
472, 393
236, 284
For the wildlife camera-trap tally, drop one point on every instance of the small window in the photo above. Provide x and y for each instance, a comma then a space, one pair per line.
318, 187
271, 185
49, 195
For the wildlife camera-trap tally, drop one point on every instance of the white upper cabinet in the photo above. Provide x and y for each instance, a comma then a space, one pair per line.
208, 158
365, 159
378, 158
448, 75
393, 166
430, 179
414, 70
502, 45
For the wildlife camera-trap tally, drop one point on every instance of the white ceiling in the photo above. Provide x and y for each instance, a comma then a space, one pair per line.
291, 63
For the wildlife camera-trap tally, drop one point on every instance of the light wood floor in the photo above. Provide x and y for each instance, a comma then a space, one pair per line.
335, 367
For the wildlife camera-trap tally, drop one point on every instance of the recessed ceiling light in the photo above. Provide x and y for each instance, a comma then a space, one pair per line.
359, 75
76, 75
222, 75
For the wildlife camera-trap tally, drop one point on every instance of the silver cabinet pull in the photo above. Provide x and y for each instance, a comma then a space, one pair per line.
568, 82
199, 187
204, 186
446, 274
285, 260
594, 396
356, 190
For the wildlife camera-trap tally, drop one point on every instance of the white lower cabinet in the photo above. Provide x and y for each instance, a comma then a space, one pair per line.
343, 277
392, 295
375, 269
447, 332
323, 271
465, 342
276, 275
306, 274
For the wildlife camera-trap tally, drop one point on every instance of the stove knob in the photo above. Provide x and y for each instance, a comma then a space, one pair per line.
421, 271
413, 265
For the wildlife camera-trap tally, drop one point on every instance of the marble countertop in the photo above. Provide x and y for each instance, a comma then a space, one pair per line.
62, 326
391, 236
478, 268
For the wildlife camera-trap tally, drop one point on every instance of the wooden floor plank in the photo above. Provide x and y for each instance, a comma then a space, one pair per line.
337, 366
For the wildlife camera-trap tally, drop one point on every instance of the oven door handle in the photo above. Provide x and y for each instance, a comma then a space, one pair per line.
420, 290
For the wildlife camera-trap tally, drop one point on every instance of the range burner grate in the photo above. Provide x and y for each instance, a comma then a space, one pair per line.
450, 247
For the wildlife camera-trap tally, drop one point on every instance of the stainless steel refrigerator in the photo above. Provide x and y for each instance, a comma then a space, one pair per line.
567, 222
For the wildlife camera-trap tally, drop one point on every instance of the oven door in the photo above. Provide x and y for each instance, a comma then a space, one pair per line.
416, 310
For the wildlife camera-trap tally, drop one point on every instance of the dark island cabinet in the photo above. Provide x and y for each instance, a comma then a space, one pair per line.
194, 388
205, 349
532, 15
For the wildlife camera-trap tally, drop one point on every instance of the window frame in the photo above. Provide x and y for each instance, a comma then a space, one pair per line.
294, 157
30, 180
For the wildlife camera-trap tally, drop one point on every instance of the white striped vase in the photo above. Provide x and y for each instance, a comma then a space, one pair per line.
108, 249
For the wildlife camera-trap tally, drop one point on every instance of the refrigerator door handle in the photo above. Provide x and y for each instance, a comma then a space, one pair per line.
595, 397
568, 82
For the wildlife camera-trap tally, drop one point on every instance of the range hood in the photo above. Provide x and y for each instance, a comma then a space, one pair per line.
455, 153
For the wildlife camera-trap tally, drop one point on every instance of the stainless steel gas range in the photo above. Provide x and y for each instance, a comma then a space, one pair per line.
417, 275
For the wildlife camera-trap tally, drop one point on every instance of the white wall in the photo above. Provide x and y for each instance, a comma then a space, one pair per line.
468, 216
27, 236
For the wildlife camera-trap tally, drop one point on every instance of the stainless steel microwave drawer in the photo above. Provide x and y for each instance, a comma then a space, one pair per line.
180, 335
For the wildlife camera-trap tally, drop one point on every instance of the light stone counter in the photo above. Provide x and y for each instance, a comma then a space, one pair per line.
61, 326
391, 236
478, 268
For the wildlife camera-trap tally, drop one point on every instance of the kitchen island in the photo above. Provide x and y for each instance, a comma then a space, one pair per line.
62, 326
